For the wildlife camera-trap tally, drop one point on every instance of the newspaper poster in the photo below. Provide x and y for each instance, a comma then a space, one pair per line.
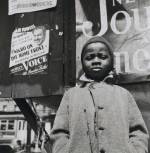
22, 6
126, 24
29, 51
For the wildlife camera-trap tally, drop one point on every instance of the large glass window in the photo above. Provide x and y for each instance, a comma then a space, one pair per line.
3, 125
7, 125
11, 125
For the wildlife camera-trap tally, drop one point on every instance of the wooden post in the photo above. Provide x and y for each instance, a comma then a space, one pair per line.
28, 138
32, 119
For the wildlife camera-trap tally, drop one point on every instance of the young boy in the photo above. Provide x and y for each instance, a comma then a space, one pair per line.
98, 117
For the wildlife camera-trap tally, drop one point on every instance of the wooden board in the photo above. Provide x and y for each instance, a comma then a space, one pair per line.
61, 65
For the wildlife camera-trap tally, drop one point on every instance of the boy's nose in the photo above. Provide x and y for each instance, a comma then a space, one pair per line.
96, 63
96, 59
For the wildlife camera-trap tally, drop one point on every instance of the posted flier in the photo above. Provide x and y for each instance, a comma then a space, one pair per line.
29, 51
22, 6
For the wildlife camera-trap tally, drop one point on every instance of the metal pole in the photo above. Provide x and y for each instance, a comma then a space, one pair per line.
28, 138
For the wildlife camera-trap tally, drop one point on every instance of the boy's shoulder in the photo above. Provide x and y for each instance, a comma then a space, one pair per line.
121, 89
77, 90
72, 89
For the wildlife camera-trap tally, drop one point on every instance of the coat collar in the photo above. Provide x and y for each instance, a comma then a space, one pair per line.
83, 78
84, 81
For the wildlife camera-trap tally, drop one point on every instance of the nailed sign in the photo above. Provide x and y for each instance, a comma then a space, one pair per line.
29, 51
21, 6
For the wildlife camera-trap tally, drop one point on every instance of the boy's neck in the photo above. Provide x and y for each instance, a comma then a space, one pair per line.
84, 78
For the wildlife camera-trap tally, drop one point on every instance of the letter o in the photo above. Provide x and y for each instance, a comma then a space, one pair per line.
113, 22
31, 63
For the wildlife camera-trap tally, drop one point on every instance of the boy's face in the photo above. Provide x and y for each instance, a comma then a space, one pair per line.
97, 61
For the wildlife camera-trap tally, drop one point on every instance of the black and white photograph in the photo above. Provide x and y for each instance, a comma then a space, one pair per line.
75, 76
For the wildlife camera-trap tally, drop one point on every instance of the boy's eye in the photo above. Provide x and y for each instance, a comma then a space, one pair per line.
102, 56
99, 55
89, 57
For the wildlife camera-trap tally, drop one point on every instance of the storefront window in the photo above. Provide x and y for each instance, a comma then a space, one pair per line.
3, 125
7, 125
11, 125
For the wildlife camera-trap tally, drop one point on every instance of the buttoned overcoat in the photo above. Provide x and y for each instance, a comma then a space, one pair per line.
99, 118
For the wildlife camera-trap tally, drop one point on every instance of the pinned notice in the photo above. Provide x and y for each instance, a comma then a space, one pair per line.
29, 51
22, 6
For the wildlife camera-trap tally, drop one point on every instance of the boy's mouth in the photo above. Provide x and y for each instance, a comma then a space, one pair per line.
96, 68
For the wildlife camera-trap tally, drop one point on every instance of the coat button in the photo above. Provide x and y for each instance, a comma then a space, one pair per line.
102, 151
100, 107
101, 128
